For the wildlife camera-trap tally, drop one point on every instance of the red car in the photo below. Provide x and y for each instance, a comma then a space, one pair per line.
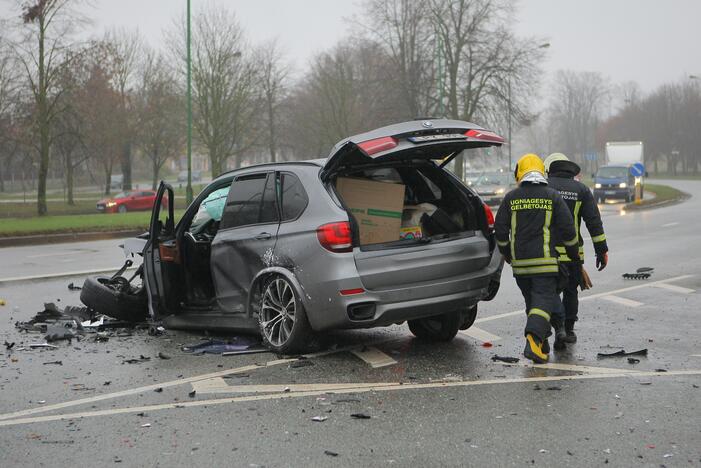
137, 200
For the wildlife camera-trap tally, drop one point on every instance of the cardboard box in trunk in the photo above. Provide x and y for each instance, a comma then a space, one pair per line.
376, 206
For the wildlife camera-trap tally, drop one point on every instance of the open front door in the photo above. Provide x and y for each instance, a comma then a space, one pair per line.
161, 255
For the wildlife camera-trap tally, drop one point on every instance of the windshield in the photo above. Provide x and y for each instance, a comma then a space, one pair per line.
494, 178
123, 195
613, 172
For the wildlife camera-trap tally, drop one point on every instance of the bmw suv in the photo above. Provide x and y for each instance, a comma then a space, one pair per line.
278, 249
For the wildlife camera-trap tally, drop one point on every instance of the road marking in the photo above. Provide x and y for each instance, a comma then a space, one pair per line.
173, 383
574, 368
374, 357
480, 335
669, 224
219, 385
376, 388
672, 287
622, 301
500, 316
62, 275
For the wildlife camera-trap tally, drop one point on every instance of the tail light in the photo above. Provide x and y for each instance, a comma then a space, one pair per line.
336, 237
489, 215
484, 135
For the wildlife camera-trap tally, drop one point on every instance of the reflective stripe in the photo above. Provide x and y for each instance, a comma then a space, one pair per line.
577, 206
540, 312
513, 235
535, 270
534, 261
546, 234
572, 242
502, 244
600, 238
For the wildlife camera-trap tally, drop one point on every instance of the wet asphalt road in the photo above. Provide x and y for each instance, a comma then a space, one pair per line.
437, 405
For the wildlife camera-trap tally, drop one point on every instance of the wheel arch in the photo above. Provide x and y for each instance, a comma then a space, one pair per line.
257, 284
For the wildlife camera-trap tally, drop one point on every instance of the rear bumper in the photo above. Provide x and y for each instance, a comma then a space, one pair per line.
330, 310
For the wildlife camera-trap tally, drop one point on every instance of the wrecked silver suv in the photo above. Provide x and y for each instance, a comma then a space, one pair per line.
377, 234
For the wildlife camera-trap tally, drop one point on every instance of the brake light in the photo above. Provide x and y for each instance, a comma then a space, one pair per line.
490, 216
484, 135
335, 237
351, 292
378, 145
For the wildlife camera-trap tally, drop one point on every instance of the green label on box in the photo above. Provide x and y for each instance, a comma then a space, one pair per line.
384, 213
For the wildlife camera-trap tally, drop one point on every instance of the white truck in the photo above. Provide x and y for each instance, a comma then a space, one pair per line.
614, 180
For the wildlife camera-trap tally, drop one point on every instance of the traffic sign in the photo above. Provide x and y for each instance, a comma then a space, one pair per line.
637, 169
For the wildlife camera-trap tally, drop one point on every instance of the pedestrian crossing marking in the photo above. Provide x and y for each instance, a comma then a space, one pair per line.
622, 301
672, 287
480, 335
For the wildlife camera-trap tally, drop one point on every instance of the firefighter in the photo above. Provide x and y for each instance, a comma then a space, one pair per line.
529, 220
579, 199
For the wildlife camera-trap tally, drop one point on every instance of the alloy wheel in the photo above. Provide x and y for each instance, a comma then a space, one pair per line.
278, 309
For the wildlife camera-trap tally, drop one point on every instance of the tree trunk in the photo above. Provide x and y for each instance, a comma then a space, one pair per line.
43, 124
108, 181
156, 169
271, 126
125, 161
69, 179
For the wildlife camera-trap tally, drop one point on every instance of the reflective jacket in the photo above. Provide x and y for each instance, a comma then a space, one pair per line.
580, 201
528, 222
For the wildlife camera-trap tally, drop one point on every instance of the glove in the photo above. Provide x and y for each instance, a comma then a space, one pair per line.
602, 260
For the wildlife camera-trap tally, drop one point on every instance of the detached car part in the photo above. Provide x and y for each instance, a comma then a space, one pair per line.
116, 296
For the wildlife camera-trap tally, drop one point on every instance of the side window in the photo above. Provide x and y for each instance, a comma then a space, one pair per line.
268, 209
294, 197
244, 201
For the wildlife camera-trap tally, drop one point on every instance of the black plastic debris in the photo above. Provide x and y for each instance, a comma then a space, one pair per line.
360, 416
158, 390
192, 394
636, 276
238, 344
633, 360
330, 453
507, 359
163, 356
156, 330
554, 388
58, 363
73, 287
622, 353
59, 332
301, 363
645, 270
138, 360
9, 346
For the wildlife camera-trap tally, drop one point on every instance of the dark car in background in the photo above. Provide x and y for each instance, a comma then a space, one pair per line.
493, 185
196, 176
136, 200
380, 233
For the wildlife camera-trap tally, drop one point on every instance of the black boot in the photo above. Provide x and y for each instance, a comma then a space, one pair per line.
569, 330
560, 335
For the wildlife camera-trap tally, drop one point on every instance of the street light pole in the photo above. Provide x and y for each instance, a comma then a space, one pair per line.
188, 190
510, 118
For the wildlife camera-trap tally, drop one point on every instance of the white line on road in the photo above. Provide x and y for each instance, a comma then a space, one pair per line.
62, 275
669, 224
588, 298
63, 254
376, 388
622, 301
480, 335
374, 357
671, 287
219, 385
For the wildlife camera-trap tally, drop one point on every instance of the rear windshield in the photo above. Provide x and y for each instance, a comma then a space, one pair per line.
613, 172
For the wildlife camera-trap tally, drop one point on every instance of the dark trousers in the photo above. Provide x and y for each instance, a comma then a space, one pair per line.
540, 294
569, 307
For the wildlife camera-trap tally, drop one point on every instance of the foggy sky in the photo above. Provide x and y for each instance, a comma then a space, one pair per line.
648, 41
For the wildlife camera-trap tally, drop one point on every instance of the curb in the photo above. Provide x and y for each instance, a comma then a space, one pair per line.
66, 237
673, 201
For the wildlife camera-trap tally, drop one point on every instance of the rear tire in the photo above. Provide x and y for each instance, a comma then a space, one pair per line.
282, 319
467, 317
438, 328
98, 295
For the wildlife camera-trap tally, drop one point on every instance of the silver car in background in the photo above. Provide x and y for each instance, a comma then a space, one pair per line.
275, 249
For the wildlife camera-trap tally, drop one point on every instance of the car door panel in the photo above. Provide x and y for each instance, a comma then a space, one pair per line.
245, 242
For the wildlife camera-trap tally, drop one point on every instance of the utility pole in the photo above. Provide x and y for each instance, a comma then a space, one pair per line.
441, 85
188, 190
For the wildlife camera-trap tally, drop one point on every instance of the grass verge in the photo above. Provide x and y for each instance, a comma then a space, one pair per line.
53, 224
664, 194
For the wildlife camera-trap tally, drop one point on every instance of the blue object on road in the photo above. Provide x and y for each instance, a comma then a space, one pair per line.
637, 169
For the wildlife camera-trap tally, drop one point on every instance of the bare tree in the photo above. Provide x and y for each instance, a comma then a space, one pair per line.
578, 106
226, 98
47, 28
160, 114
127, 48
274, 74
9, 95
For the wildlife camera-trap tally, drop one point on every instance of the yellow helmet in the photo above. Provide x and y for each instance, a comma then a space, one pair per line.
528, 163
